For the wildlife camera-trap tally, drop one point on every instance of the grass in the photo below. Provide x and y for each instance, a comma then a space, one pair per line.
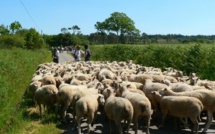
17, 67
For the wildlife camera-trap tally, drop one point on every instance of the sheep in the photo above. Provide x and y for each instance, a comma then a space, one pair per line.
58, 80
152, 86
207, 98
46, 95
140, 103
130, 85
66, 94
118, 109
77, 82
137, 78
82, 77
179, 87
87, 106
48, 79
33, 87
181, 107
171, 79
105, 73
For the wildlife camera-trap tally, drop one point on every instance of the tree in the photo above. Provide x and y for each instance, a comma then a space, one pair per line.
4, 30
101, 27
75, 29
145, 38
15, 26
33, 39
64, 30
119, 23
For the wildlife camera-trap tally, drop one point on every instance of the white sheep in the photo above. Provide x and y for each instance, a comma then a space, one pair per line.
181, 107
152, 86
105, 73
48, 79
33, 87
118, 109
140, 103
87, 106
66, 94
179, 86
46, 96
207, 98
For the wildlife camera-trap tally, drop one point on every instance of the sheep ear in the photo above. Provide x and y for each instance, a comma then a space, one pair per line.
100, 96
109, 91
129, 85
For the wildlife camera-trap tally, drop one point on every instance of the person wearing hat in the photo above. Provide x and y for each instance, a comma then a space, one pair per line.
77, 53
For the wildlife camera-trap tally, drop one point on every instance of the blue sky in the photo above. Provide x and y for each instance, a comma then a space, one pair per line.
186, 17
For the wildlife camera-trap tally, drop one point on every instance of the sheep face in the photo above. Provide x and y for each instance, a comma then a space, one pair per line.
101, 100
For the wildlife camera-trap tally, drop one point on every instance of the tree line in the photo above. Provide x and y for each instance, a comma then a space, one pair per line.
116, 29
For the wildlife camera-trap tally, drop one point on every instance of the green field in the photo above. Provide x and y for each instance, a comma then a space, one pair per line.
18, 116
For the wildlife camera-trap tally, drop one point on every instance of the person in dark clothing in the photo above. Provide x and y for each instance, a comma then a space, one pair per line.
88, 53
55, 55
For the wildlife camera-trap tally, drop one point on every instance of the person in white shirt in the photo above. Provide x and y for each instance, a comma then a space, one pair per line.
77, 53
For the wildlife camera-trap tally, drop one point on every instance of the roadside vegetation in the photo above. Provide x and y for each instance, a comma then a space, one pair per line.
198, 58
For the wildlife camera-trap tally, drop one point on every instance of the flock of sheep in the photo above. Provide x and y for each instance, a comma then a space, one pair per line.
124, 91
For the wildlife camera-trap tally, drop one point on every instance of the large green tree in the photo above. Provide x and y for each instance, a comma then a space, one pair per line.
119, 23
15, 26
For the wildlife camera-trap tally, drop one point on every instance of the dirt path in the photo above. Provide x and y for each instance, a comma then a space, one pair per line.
64, 57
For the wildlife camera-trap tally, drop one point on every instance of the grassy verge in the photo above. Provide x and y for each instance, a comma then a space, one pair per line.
17, 67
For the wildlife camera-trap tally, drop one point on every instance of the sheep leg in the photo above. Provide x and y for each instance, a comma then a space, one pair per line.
118, 124
95, 117
40, 109
209, 120
78, 119
135, 124
128, 124
185, 123
196, 125
89, 121
74, 121
65, 107
147, 124
163, 120
110, 125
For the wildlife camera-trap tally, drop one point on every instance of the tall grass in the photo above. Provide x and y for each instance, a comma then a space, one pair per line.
16, 69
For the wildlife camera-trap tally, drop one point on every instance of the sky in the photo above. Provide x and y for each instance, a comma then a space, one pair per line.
186, 17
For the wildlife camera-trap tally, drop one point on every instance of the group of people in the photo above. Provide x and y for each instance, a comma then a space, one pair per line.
76, 52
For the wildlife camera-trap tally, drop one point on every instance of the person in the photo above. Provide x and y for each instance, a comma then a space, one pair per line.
87, 52
55, 55
77, 53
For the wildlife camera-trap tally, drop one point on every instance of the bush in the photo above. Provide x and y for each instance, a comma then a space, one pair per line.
10, 41
187, 58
